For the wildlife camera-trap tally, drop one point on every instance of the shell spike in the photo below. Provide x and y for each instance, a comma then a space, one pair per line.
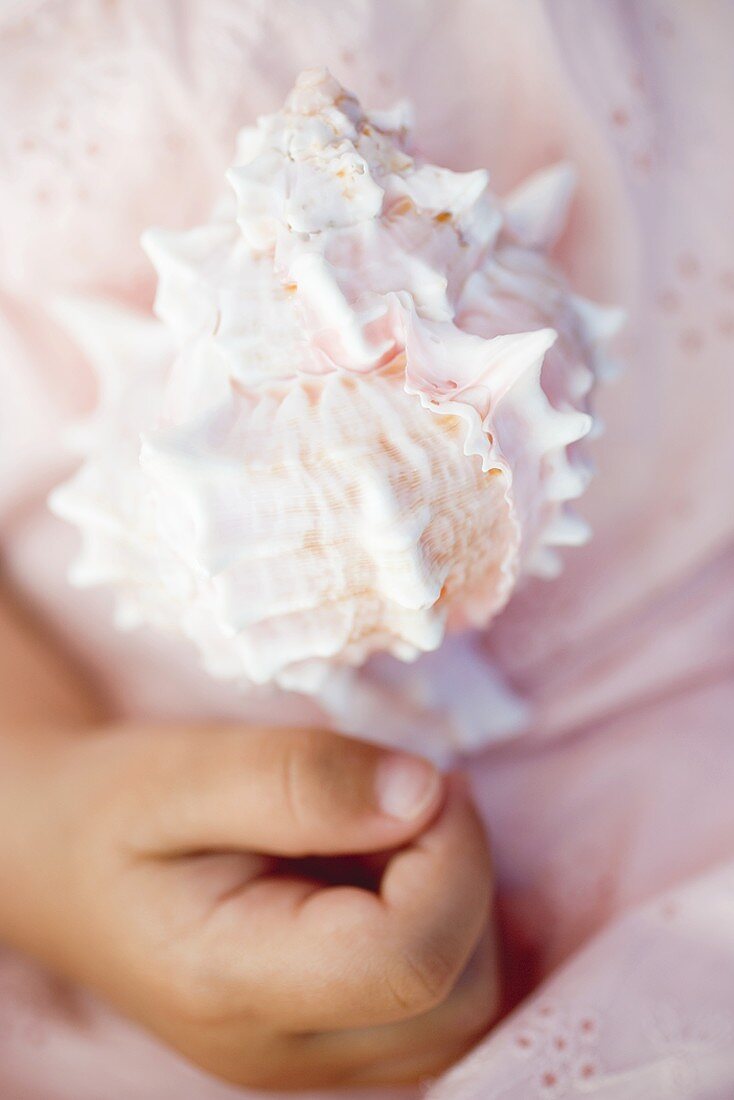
600, 323
537, 210
512, 356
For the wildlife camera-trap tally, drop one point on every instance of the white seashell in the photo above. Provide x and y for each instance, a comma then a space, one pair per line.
349, 431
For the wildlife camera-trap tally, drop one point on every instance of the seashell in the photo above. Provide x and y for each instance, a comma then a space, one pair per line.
354, 425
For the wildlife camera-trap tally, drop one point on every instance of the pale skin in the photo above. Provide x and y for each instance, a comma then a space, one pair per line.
286, 908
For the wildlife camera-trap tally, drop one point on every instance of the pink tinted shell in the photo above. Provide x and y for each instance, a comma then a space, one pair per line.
354, 424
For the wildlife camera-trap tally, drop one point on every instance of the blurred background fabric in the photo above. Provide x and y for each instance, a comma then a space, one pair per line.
612, 820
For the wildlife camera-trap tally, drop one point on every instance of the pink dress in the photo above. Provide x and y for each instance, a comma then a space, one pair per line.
613, 820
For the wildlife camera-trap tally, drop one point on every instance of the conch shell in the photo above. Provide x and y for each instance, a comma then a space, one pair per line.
355, 424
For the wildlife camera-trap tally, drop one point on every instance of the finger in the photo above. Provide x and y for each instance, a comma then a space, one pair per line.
285, 792
400, 1053
408, 1051
341, 957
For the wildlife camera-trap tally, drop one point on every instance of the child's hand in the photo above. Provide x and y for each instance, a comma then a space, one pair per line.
144, 864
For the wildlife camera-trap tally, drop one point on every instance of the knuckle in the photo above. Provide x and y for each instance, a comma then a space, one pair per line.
422, 977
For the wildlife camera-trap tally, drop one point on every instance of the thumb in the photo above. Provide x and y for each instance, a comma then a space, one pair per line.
288, 792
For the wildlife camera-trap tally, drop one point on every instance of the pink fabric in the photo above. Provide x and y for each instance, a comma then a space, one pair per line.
613, 823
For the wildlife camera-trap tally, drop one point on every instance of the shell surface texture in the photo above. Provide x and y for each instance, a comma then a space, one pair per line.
353, 424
